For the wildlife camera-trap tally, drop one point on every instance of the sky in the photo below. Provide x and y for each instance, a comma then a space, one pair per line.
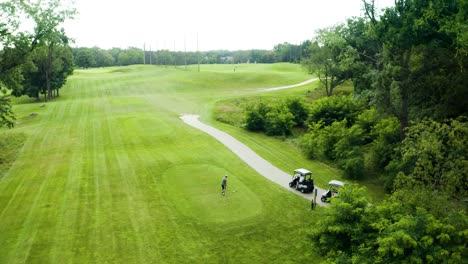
205, 24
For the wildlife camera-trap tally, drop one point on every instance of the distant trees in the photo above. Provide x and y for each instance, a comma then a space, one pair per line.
96, 57
84, 58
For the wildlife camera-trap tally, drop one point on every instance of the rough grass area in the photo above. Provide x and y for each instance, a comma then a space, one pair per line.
10, 146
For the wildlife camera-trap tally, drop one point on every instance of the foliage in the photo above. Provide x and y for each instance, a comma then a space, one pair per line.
277, 118
279, 121
348, 152
345, 228
435, 155
7, 117
298, 109
354, 230
362, 147
335, 108
96, 57
329, 58
420, 71
42, 73
84, 58
17, 47
256, 114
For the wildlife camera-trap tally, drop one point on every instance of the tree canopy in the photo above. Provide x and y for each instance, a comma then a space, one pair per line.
25, 53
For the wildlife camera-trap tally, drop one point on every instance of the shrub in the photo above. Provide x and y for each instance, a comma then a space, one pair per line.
298, 110
256, 116
320, 141
279, 121
348, 152
336, 108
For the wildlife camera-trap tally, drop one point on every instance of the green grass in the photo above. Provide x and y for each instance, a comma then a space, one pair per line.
10, 146
110, 174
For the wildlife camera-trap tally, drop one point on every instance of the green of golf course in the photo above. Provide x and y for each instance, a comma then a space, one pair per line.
109, 173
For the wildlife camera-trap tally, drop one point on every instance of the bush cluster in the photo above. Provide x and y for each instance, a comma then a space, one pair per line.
357, 140
276, 119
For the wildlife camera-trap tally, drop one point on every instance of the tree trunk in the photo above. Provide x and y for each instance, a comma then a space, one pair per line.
48, 94
48, 71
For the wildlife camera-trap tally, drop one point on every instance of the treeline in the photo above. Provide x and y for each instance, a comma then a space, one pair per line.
405, 124
97, 57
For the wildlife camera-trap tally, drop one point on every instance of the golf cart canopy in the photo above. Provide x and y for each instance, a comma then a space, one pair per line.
336, 183
302, 171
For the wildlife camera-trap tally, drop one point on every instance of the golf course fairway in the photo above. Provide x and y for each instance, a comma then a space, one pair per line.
109, 173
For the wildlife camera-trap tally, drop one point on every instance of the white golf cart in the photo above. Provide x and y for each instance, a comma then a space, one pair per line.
302, 181
332, 190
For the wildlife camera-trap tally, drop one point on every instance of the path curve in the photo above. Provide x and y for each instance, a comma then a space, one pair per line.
289, 86
262, 166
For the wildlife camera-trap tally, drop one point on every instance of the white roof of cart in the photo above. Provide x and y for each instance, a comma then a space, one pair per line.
336, 183
302, 171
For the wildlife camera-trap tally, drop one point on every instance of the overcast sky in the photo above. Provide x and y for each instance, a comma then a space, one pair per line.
219, 24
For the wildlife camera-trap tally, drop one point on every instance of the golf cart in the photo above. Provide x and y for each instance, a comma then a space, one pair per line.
332, 190
302, 181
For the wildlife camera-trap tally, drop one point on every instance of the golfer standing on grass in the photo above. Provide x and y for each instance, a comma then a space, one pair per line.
224, 185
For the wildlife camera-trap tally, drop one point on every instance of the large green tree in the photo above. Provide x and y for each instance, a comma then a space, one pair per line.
17, 47
329, 58
48, 16
35, 82
422, 65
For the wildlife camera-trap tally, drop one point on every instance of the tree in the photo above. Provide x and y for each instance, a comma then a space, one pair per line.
421, 67
35, 82
336, 108
358, 36
48, 15
256, 114
279, 121
435, 155
103, 58
15, 48
346, 227
84, 58
353, 230
330, 58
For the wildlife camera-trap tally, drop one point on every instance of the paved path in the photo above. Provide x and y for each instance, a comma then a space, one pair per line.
254, 160
288, 86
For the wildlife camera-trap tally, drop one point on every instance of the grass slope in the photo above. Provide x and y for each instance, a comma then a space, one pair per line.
110, 174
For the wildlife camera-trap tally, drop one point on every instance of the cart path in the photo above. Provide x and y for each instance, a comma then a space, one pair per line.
254, 160
289, 86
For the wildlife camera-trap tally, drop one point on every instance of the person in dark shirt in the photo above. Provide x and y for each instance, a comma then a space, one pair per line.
224, 185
